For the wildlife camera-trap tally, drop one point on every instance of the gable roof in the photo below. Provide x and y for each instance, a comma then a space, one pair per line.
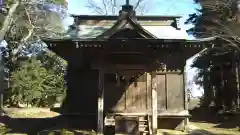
104, 27
123, 23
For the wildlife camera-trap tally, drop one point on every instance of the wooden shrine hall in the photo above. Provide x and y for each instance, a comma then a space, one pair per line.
121, 75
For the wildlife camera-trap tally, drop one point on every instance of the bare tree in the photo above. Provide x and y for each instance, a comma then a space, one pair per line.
28, 19
8, 19
111, 7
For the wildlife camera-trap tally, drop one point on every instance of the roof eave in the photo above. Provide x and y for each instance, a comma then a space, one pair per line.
112, 17
61, 40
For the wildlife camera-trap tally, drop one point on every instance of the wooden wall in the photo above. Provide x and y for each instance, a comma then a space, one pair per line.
171, 93
136, 98
128, 97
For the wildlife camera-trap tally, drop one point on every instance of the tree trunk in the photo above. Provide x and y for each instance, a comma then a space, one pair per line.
8, 20
238, 11
237, 80
207, 89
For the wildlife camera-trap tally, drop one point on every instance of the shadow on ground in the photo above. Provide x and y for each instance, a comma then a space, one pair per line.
32, 126
196, 132
44, 126
209, 115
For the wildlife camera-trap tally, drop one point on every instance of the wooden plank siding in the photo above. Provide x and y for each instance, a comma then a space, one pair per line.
175, 92
162, 92
149, 91
136, 98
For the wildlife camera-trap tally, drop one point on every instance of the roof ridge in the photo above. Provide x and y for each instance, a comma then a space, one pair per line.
121, 24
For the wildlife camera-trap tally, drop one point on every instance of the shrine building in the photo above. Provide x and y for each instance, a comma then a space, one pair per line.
127, 70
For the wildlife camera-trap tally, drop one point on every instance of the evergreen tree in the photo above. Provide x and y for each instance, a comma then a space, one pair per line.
33, 84
219, 65
23, 24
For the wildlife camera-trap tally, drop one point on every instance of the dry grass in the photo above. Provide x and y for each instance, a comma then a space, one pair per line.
30, 113
202, 128
218, 131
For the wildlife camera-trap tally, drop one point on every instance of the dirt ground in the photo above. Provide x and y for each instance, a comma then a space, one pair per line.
32, 121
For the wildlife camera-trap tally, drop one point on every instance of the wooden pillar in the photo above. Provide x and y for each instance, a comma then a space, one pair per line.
185, 90
154, 102
100, 126
186, 102
149, 101
127, 79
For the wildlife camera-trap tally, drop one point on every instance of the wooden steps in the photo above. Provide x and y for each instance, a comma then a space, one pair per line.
144, 125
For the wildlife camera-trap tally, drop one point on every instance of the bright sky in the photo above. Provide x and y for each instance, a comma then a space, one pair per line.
157, 7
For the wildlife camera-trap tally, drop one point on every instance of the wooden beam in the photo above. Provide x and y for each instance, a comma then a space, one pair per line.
127, 72
111, 22
100, 126
154, 103
114, 67
114, 17
132, 52
185, 91
186, 120
148, 87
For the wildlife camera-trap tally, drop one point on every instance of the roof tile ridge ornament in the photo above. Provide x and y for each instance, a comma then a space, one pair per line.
128, 10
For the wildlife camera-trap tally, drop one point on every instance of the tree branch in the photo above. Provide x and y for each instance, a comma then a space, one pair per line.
137, 4
113, 6
105, 7
8, 20
95, 7
30, 32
